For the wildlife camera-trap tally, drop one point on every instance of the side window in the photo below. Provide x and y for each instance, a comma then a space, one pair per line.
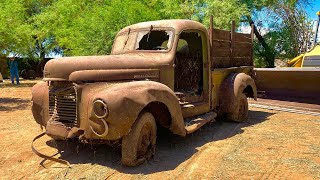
189, 63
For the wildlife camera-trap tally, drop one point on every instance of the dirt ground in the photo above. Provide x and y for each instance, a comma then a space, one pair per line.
271, 145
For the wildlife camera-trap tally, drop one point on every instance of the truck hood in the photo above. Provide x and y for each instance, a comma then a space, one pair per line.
102, 68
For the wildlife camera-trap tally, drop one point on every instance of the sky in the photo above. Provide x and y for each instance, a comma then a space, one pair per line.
313, 9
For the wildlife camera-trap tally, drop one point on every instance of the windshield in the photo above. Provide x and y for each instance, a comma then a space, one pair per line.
143, 40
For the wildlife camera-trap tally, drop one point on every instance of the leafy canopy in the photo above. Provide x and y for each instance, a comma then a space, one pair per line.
38, 28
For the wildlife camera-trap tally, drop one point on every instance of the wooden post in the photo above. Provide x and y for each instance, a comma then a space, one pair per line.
233, 29
252, 37
211, 41
211, 29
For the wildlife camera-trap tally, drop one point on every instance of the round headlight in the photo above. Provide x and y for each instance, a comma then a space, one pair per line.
100, 108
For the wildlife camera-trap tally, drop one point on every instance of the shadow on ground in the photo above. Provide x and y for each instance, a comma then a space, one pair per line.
13, 104
171, 150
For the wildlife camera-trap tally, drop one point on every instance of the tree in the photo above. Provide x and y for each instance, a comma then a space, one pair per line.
89, 27
224, 12
14, 28
288, 28
37, 28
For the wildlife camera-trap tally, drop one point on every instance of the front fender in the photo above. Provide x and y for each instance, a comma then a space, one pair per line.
40, 103
126, 100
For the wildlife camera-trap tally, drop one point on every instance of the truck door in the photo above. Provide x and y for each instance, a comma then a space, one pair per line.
191, 73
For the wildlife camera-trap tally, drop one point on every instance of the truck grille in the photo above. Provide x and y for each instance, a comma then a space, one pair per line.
63, 105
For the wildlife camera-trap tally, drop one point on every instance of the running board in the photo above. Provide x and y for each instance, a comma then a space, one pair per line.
195, 123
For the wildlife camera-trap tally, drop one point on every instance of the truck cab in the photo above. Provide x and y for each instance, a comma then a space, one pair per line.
170, 73
183, 48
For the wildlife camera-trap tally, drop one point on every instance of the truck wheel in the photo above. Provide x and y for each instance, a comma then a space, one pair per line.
241, 112
140, 144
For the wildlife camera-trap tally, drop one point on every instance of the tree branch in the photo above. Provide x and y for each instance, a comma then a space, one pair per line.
269, 54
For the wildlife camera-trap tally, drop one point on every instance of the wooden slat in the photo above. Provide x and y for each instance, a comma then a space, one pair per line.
220, 34
243, 49
221, 58
223, 62
243, 45
220, 44
241, 61
220, 62
230, 49
240, 37
220, 52
242, 52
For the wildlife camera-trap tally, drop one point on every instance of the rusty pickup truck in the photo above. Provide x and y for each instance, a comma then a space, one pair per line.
171, 73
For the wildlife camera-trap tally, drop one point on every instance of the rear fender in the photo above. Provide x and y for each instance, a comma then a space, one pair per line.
232, 87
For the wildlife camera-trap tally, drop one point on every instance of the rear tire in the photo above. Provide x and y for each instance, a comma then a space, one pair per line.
140, 144
241, 111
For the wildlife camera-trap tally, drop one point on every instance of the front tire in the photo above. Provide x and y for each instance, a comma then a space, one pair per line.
139, 145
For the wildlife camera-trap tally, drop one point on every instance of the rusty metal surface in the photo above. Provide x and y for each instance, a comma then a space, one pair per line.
61, 68
36, 151
40, 103
125, 83
231, 90
63, 105
195, 123
114, 75
178, 25
289, 82
126, 101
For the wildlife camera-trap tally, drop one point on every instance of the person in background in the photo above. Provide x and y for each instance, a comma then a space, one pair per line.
14, 70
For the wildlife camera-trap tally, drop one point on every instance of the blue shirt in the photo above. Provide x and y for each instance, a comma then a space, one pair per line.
13, 65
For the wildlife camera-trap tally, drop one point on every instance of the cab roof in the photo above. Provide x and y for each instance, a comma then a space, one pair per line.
177, 24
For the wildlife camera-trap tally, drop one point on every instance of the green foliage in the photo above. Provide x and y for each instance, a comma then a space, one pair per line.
86, 28
35, 28
14, 28
224, 12
80, 27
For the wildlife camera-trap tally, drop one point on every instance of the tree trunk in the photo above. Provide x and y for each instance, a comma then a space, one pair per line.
269, 53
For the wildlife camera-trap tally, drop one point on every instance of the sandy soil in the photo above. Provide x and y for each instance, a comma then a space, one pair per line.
271, 145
